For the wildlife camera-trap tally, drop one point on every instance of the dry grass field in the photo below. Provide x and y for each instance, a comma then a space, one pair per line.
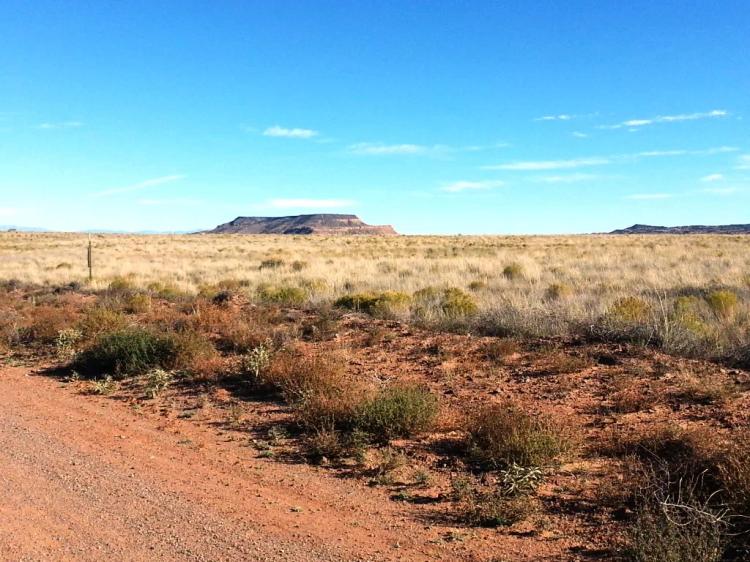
524, 398
686, 293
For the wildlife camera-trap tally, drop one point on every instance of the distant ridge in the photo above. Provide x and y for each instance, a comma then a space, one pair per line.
302, 224
694, 229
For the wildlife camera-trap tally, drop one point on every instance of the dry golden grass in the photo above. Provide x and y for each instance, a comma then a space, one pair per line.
527, 285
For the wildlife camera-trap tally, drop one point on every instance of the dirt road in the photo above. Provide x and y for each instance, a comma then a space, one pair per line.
90, 478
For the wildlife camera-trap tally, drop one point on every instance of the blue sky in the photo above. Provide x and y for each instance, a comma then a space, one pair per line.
436, 117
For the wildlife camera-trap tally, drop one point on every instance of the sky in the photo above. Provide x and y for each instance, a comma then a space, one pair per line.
436, 117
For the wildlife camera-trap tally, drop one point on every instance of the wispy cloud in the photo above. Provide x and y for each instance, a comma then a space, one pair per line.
723, 190
294, 133
457, 186
309, 203
580, 135
635, 123
560, 117
713, 177
649, 196
140, 185
378, 149
612, 159
550, 164
60, 125
743, 162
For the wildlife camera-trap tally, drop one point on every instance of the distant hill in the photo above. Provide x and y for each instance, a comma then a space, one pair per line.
694, 229
302, 224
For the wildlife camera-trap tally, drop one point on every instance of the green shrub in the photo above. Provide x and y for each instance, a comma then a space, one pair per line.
121, 285
723, 303
289, 296
513, 272
455, 303
503, 434
630, 310
376, 304
132, 351
400, 411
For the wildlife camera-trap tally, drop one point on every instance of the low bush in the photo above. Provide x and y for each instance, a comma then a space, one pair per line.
288, 296
132, 351
559, 291
297, 375
723, 303
137, 303
399, 411
45, 322
490, 505
98, 320
500, 435
513, 272
455, 303
697, 490
376, 304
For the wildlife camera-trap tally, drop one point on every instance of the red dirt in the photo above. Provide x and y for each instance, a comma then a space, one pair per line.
177, 478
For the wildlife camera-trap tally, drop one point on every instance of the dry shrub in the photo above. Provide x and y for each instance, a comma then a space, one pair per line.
44, 323
699, 485
137, 303
514, 272
483, 505
233, 330
498, 350
298, 375
500, 435
559, 291
98, 320
477, 285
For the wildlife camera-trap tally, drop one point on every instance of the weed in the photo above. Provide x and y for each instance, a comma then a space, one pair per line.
103, 386
513, 272
126, 352
400, 411
156, 381
501, 435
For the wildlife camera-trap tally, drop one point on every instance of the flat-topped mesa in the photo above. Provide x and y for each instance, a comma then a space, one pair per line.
303, 224
692, 229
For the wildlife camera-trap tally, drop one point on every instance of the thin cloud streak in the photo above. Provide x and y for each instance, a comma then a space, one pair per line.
550, 164
536, 165
712, 178
60, 125
293, 133
635, 123
141, 185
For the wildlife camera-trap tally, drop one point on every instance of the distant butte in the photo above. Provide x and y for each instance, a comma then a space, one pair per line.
302, 224
694, 229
